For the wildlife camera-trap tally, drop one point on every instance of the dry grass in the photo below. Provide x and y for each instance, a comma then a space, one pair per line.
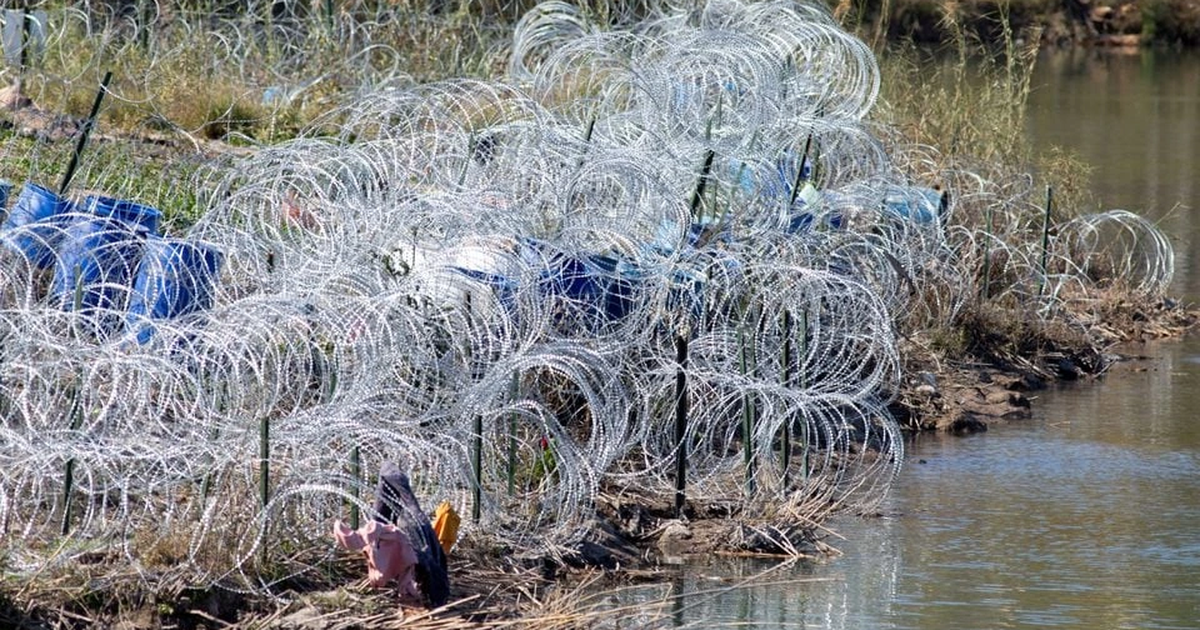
100, 595
192, 93
200, 76
92, 584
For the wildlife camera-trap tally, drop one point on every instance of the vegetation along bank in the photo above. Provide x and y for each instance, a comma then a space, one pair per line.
620, 283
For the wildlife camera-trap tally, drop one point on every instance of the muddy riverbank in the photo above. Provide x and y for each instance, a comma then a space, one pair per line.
1109, 23
635, 538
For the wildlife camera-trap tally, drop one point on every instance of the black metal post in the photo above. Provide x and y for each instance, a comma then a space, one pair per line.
83, 134
681, 416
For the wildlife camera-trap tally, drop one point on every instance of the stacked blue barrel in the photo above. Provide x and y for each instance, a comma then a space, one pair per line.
109, 261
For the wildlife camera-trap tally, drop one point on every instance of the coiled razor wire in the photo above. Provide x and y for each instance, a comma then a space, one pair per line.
489, 282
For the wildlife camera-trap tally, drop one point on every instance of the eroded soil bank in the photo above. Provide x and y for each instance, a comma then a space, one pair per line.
1120, 23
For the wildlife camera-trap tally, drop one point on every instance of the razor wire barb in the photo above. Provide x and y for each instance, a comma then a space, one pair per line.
499, 269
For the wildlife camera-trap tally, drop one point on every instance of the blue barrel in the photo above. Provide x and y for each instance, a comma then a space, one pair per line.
915, 203
124, 210
100, 256
30, 228
176, 277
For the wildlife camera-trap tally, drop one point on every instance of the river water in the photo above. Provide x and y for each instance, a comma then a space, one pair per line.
1136, 119
1086, 515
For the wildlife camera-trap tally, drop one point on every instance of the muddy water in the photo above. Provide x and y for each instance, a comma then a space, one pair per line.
1136, 119
1088, 514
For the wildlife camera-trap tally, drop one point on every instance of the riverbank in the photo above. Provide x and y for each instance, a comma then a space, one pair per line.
1104, 23
1007, 364
633, 538
610, 259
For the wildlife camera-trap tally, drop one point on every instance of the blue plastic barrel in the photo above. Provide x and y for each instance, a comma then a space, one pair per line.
915, 203
598, 287
100, 256
124, 210
30, 228
99, 205
176, 277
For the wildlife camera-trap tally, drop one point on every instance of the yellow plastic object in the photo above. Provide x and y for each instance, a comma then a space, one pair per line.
445, 525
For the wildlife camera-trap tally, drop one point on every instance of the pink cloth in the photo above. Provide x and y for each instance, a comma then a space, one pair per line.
390, 554
296, 214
